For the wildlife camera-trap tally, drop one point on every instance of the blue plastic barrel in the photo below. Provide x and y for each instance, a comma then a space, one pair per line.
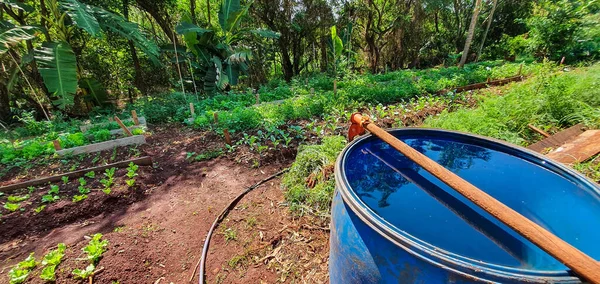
393, 222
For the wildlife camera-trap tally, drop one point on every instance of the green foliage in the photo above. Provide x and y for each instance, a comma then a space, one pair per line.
58, 67
550, 100
80, 15
80, 197
91, 174
20, 272
16, 199
313, 162
86, 273
137, 131
65, 179
39, 209
561, 28
109, 180
12, 207
51, 261
95, 248
13, 35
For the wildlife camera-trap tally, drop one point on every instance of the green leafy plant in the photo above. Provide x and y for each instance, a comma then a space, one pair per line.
39, 209
80, 197
109, 180
102, 135
230, 234
95, 248
12, 207
51, 261
65, 179
131, 174
17, 199
30, 189
20, 272
82, 182
85, 273
91, 174
137, 131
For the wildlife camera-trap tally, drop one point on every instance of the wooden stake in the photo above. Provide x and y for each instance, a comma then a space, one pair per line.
581, 264
335, 86
257, 95
57, 145
125, 129
542, 132
136, 121
562, 60
520, 69
216, 117
192, 110
488, 80
227, 137
312, 91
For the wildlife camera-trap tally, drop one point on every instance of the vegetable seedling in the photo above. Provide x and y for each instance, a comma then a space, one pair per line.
65, 179
39, 209
19, 273
81, 197
12, 207
51, 261
91, 174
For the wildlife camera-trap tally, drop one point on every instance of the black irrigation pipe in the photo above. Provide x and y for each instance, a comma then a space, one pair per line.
220, 217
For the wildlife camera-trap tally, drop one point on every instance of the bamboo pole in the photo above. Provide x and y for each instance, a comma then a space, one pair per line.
582, 264
134, 116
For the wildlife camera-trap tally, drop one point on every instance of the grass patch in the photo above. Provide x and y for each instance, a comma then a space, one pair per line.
309, 185
553, 100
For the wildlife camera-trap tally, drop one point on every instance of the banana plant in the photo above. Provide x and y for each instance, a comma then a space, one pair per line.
58, 62
220, 58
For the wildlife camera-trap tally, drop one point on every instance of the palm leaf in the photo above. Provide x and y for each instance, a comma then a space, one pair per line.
79, 13
338, 46
58, 67
229, 12
185, 27
17, 5
94, 89
14, 35
114, 23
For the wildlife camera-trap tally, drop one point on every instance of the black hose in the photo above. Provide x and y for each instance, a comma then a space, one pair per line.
223, 214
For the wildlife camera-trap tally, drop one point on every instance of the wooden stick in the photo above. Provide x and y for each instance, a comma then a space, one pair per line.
56, 145
583, 265
136, 121
520, 69
143, 161
257, 95
192, 111
227, 136
542, 132
216, 117
125, 129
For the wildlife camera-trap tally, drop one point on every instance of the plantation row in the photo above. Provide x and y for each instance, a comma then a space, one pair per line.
552, 101
353, 92
237, 112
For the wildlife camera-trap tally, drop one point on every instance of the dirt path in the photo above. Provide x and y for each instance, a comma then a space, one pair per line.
159, 237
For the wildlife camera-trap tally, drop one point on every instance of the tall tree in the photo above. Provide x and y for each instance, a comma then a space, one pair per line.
193, 11
469, 40
134, 57
487, 28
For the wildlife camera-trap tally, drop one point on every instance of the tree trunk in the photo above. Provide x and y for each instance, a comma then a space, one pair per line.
487, 29
193, 10
323, 61
5, 113
286, 62
136, 61
161, 17
465, 53
208, 11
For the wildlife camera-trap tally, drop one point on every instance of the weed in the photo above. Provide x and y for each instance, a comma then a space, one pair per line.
118, 229
188, 155
237, 260
251, 222
30, 189
230, 235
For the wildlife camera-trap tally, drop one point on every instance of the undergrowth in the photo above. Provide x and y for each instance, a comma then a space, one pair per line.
309, 184
551, 101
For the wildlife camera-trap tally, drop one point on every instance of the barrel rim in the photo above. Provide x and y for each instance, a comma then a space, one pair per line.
440, 257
